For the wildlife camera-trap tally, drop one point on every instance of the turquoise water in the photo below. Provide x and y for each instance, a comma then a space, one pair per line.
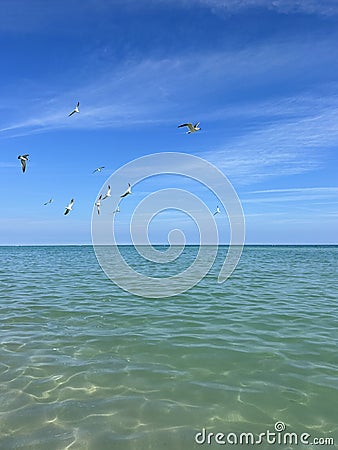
84, 365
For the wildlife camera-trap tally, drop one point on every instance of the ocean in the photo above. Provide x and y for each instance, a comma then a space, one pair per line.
86, 365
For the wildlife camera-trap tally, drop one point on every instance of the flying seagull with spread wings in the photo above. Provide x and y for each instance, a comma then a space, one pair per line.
98, 169
75, 110
191, 128
98, 204
49, 202
128, 191
217, 211
23, 160
69, 207
108, 194
117, 210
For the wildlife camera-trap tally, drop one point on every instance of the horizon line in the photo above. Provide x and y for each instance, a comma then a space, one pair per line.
176, 245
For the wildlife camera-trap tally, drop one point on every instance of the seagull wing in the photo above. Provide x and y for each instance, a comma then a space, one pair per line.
189, 125
197, 124
23, 165
73, 112
128, 191
107, 194
98, 203
69, 207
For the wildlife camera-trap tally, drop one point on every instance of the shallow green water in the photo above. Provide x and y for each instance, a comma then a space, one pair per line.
84, 365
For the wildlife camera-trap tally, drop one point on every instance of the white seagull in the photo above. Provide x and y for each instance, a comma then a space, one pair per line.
128, 191
192, 128
98, 169
23, 160
108, 194
75, 110
98, 204
217, 211
117, 210
69, 207
49, 201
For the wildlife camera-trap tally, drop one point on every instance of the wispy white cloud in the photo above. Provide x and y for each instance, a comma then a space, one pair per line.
322, 7
286, 198
114, 100
40, 16
314, 190
321, 100
287, 143
7, 165
155, 91
299, 195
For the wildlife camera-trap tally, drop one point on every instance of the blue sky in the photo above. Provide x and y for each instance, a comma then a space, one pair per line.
261, 76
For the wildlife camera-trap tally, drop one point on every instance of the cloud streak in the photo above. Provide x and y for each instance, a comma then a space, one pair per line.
289, 142
304, 190
153, 91
323, 7
300, 195
40, 16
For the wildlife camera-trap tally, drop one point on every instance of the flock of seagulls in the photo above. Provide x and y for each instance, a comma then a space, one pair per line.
107, 195
24, 158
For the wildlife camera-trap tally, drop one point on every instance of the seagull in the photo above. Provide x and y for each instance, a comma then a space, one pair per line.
128, 191
192, 128
98, 169
108, 194
98, 204
69, 207
49, 201
23, 160
75, 110
117, 210
217, 211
